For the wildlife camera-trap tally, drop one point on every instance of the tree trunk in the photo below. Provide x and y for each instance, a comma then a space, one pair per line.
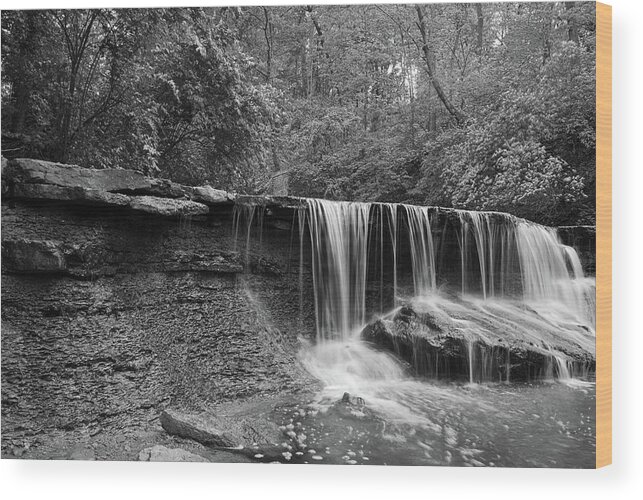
267, 32
430, 66
319, 82
480, 26
76, 43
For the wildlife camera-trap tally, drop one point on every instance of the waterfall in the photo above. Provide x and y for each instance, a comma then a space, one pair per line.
391, 210
338, 236
551, 274
502, 261
422, 254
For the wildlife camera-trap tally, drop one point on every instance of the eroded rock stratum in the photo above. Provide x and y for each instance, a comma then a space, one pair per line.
123, 296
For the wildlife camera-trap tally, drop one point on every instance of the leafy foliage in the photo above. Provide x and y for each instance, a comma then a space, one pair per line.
480, 106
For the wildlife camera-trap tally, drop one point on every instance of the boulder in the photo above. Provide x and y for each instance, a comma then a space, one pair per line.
380, 332
167, 206
209, 195
27, 170
435, 343
351, 407
205, 429
231, 430
33, 256
161, 453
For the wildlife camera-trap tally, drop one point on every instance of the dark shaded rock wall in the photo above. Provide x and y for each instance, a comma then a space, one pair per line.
110, 315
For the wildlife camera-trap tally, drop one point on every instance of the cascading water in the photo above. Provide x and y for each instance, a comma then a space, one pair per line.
528, 282
505, 277
422, 253
339, 236
551, 275
506, 260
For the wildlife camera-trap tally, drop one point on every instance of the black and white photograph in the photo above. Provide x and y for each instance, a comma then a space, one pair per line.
301, 234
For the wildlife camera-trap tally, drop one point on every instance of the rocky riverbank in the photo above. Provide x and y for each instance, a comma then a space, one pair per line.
123, 296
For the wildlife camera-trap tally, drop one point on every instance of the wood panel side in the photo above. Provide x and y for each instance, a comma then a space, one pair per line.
603, 234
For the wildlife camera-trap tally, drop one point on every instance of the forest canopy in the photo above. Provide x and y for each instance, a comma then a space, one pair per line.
477, 106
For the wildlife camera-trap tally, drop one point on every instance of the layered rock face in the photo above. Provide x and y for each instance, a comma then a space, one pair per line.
123, 295
125, 298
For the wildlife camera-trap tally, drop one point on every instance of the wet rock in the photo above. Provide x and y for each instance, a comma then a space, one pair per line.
354, 400
167, 206
406, 314
380, 333
351, 407
434, 346
33, 256
205, 429
160, 453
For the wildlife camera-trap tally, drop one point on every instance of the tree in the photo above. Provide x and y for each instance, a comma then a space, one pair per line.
437, 104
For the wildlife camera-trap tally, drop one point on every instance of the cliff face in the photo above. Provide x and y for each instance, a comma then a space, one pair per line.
124, 295
117, 305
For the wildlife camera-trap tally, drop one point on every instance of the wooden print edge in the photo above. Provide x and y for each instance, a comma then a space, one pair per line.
603, 235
